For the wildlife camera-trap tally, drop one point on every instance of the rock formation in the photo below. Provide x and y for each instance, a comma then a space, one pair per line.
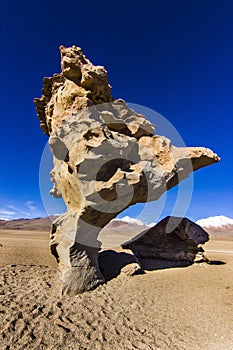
173, 238
106, 158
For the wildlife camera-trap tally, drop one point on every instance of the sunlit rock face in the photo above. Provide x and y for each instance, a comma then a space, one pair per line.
173, 238
106, 158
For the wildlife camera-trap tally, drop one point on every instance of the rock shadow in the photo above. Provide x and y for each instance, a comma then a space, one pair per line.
216, 262
111, 263
159, 264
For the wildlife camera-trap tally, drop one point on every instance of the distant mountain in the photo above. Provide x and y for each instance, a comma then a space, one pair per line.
36, 224
219, 227
127, 220
215, 221
44, 224
116, 223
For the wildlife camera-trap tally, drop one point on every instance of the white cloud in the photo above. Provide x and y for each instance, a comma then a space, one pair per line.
29, 205
27, 210
7, 212
17, 210
11, 207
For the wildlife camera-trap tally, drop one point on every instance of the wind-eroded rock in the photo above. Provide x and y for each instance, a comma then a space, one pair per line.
106, 158
173, 238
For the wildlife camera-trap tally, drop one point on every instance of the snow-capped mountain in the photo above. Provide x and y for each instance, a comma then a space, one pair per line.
152, 224
220, 221
215, 221
130, 220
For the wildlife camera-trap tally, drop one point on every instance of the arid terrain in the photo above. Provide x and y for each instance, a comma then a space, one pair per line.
166, 308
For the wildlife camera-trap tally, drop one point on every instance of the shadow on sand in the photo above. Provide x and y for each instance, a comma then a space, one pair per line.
216, 262
111, 263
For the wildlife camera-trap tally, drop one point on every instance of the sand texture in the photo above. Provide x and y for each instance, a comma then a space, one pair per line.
167, 308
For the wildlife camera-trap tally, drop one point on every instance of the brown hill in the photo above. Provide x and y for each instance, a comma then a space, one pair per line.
221, 233
224, 232
36, 224
44, 224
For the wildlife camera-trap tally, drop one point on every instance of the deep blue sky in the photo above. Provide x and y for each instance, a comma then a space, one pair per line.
174, 57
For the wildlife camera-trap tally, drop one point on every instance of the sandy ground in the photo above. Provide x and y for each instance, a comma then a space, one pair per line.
174, 308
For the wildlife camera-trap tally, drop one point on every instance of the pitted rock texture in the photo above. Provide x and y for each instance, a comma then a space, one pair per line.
173, 238
106, 158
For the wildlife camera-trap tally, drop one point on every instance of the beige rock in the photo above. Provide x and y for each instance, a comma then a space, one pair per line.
106, 158
131, 269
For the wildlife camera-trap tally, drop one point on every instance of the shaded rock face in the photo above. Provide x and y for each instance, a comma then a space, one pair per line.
106, 158
173, 238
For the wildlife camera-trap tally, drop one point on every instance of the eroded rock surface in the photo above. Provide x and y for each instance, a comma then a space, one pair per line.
106, 158
173, 238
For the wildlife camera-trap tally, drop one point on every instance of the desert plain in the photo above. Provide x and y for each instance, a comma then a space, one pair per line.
167, 307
